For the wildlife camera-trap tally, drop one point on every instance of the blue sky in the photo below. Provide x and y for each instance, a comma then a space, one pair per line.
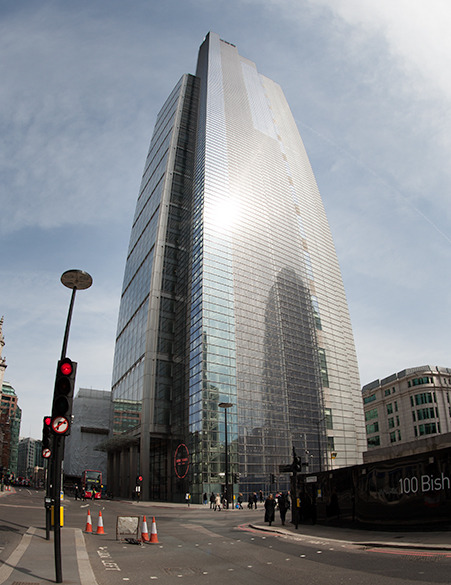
369, 86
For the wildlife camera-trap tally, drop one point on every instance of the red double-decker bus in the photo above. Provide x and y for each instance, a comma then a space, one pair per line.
91, 484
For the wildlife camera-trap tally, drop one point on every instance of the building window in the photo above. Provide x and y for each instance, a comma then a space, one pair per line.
387, 392
390, 408
425, 398
370, 414
425, 413
428, 429
369, 398
420, 381
393, 437
396, 407
373, 428
391, 423
316, 312
330, 444
373, 441
399, 435
328, 418
323, 367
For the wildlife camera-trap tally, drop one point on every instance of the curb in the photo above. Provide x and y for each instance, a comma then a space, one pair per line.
366, 543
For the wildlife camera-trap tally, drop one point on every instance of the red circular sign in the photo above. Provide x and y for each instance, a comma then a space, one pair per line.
181, 461
60, 425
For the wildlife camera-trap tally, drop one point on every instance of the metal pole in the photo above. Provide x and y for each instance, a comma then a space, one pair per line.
69, 318
48, 493
72, 279
59, 449
226, 461
319, 446
294, 497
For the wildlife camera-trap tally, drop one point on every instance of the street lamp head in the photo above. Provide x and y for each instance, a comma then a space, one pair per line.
225, 405
77, 279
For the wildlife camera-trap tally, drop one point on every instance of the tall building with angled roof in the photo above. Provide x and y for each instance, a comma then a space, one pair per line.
232, 294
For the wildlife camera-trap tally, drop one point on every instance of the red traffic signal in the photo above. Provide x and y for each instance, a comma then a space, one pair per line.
47, 436
66, 367
63, 397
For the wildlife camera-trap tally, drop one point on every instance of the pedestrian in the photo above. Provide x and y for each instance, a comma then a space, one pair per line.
255, 500
270, 506
205, 498
187, 498
260, 495
283, 507
77, 491
240, 501
212, 501
250, 502
217, 502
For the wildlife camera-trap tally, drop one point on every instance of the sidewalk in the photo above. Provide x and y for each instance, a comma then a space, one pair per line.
427, 540
30, 560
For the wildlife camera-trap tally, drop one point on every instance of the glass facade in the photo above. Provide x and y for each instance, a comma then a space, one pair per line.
232, 293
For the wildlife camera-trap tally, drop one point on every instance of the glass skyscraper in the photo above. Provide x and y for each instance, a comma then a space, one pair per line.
232, 294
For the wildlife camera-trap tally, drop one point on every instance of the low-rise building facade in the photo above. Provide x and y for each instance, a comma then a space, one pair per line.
407, 407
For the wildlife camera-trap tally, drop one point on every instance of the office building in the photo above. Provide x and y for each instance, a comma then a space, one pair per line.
90, 427
10, 419
408, 412
29, 459
232, 296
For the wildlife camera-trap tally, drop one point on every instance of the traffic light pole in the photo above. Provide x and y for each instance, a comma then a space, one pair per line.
295, 492
58, 446
73, 279
48, 499
69, 319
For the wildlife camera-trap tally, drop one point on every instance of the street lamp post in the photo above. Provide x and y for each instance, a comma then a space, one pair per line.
320, 455
225, 406
76, 280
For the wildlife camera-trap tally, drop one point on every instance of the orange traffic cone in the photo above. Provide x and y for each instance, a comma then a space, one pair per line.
88, 523
144, 531
153, 531
100, 529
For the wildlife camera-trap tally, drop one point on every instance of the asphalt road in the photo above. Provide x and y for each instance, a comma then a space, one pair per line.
198, 545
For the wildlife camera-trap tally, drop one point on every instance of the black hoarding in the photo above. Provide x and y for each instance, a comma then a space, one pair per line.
413, 491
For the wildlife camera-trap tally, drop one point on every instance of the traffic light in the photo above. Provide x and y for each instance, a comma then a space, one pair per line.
297, 465
139, 479
47, 437
63, 397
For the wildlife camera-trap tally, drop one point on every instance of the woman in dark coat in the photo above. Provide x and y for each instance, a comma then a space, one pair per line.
270, 506
284, 504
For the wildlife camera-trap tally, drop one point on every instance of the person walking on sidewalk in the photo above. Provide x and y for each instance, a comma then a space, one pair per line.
283, 507
218, 502
270, 506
